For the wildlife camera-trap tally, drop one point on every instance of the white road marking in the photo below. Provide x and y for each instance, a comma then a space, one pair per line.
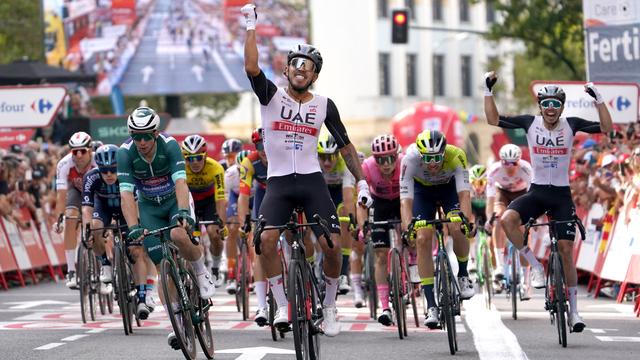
96, 331
49, 346
619, 338
492, 339
225, 71
74, 337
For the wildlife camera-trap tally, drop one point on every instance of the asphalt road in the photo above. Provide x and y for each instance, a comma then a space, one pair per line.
43, 321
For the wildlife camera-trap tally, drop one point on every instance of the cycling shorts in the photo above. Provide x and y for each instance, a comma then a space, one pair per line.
206, 209
154, 215
504, 197
427, 199
542, 198
336, 194
258, 197
383, 210
74, 198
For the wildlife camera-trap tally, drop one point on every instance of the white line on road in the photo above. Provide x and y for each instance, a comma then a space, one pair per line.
619, 338
74, 337
225, 71
492, 339
48, 346
96, 331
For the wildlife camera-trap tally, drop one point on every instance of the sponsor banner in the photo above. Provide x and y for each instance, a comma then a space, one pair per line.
10, 137
610, 12
613, 53
29, 106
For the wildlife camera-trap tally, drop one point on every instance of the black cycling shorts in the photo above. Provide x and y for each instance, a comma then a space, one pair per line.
383, 210
427, 199
555, 199
309, 191
205, 209
336, 194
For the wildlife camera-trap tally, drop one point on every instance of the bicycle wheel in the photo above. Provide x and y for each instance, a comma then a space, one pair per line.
298, 310
396, 292
83, 283
414, 303
560, 300
515, 282
271, 304
121, 282
486, 275
180, 318
244, 279
201, 312
447, 316
237, 294
316, 313
370, 282
92, 263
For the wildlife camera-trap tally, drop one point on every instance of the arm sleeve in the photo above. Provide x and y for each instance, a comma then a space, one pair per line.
264, 88
176, 161
219, 181
579, 124
348, 180
88, 188
126, 180
62, 174
335, 125
406, 179
516, 122
462, 173
491, 184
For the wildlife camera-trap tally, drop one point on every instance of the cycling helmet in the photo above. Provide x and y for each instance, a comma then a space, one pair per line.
106, 155
552, 92
510, 152
241, 155
384, 145
194, 144
95, 144
431, 142
143, 119
306, 51
327, 144
256, 136
80, 140
231, 146
478, 172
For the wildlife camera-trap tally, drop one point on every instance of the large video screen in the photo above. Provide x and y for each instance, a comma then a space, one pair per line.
151, 47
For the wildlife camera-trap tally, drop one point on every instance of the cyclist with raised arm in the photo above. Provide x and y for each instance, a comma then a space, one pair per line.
550, 138
341, 186
205, 178
434, 174
69, 173
151, 163
508, 179
291, 119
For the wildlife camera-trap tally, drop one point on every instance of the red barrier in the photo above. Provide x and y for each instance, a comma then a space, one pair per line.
7, 260
32, 242
18, 248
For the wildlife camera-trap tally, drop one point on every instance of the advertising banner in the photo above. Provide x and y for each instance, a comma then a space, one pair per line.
29, 106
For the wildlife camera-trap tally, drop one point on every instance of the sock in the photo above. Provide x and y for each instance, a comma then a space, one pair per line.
499, 258
413, 257
141, 293
260, 287
383, 296
199, 265
231, 268
277, 288
462, 266
525, 274
427, 289
346, 254
215, 261
331, 291
150, 283
573, 299
356, 281
528, 254
104, 259
70, 255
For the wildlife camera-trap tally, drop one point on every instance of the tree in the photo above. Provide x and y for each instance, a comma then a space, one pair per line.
21, 31
212, 107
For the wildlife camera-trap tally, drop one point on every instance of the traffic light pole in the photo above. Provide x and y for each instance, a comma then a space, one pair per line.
435, 28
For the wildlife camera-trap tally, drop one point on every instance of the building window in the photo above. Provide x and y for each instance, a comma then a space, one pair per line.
384, 73
465, 73
412, 75
438, 75
411, 6
383, 8
436, 9
464, 10
491, 12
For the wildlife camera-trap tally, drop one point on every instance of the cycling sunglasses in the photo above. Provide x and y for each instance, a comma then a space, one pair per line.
107, 170
385, 159
509, 163
142, 136
479, 182
327, 157
79, 152
195, 158
432, 158
302, 64
554, 103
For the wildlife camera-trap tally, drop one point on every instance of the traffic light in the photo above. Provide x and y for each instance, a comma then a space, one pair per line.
399, 26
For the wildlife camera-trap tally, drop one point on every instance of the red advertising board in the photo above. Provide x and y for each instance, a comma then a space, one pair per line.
10, 137
123, 12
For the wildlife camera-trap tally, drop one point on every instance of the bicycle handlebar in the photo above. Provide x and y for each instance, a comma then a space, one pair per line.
292, 226
532, 223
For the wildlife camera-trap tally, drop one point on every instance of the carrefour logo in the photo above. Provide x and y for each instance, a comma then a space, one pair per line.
42, 106
620, 103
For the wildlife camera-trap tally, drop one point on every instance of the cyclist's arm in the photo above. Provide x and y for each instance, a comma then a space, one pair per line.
489, 210
348, 191
491, 111
463, 187
178, 173
465, 205
251, 54
406, 192
62, 175
246, 181
591, 127
491, 192
221, 203
362, 212
516, 122
127, 187
606, 123
88, 190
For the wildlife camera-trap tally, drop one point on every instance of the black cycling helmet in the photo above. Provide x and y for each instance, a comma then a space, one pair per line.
552, 92
306, 51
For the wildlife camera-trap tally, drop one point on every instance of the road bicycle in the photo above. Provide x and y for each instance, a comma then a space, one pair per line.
271, 303
485, 268
513, 279
243, 273
555, 294
303, 293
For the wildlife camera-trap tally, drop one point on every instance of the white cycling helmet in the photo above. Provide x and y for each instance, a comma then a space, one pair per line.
143, 119
80, 140
194, 144
510, 152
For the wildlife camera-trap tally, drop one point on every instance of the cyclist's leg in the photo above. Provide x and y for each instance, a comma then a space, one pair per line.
205, 210
448, 196
424, 208
379, 235
345, 244
71, 227
357, 252
498, 236
260, 280
231, 243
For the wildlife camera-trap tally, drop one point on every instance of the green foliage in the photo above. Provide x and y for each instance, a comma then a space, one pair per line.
212, 107
21, 32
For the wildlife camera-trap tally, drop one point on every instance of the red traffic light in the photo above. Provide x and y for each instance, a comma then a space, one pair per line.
400, 18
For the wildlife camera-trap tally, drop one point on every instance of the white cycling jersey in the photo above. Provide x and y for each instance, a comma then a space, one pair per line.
232, 181
550, 150
67, 172
498, 178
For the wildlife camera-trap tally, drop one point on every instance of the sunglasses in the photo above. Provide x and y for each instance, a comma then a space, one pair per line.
142, 136
108, 170
432, 158
554, 103
302, 64
509, 163
195, 158
327, 157
479, 182
387, 159
79, 152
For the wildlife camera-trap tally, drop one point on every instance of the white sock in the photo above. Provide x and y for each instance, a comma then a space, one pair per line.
199, 265
525, 274
215, 261
277, 288
531, 258
70, 255
573, 299
356, 281
260, 287
499, 258
331, 291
